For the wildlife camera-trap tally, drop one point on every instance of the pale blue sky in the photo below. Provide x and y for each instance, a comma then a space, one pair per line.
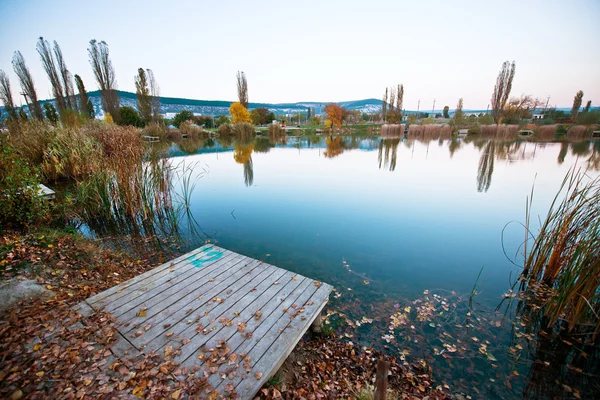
321, 50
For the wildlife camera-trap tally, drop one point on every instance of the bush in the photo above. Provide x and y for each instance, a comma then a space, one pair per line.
223, 119
128, 116
188, 128
225, 130
275, 130
20, 202
243, 129
185, 115
156, 129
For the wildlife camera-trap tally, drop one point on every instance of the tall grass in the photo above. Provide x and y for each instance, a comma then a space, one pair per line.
562, 266
429, 132
578, 132
191, 130
500, 131
156, 129
545, 132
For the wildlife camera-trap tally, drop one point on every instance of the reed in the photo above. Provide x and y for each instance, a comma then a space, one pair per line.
156, 129
191, 130
429, 132
388, 130
505, 132
545, 132
562, 266
578, 132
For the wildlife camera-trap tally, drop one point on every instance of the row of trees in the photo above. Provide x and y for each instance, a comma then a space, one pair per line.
392, 105
63, 85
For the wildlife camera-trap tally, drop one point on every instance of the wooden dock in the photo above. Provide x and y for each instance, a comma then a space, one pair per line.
230, 318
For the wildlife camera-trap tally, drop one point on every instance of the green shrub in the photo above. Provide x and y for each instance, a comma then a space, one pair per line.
20, 202
223, 119
128, 116
185, 115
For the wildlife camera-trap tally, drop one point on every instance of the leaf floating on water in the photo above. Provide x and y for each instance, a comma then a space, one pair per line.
366, 282
491, 357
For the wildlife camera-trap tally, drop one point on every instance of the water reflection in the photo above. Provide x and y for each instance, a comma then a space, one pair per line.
486, 167
243, 155
387, 147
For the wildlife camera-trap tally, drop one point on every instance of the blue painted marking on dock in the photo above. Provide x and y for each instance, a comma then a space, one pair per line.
210, 256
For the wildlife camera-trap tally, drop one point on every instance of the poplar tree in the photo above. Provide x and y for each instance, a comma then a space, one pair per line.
143, 96
242, 88
67, 78
105, 77
45, 52
502, 90
27, 85
83, 96
6, 96
576, 104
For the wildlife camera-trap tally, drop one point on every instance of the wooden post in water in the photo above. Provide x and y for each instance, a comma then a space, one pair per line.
381, 379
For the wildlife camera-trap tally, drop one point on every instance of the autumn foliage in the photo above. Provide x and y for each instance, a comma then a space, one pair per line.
239, 113
334, 114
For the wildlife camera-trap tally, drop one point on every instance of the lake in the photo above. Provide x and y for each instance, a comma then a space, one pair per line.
405, 230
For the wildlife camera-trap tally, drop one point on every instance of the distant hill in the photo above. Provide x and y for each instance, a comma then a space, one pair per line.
218, 107
221, 107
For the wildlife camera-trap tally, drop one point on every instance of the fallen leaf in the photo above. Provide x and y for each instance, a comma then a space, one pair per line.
258, 375
175, 394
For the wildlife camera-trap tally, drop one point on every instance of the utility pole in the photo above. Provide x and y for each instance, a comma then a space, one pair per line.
418, 106
547, 101
433, 109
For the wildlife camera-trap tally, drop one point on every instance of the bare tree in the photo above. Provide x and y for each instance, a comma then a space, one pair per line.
392, 98
384, 104
143, 95
242, 88
154, 93
105, 76
576, 104
6, 96
45, 52
67, 78
400, 101
502, 89
26, 81
83, 96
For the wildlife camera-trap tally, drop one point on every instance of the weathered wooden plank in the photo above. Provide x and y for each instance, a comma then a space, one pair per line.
208, 257
181, 309
98, 296
166, 285
268, 323
246, 308
267, 360
267, 303
162, 306
212, 313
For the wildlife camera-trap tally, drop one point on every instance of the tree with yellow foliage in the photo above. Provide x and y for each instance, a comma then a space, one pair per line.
335, 115
108, 118
239, 113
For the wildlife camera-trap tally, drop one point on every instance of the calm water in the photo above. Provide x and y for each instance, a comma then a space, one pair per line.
389, 222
